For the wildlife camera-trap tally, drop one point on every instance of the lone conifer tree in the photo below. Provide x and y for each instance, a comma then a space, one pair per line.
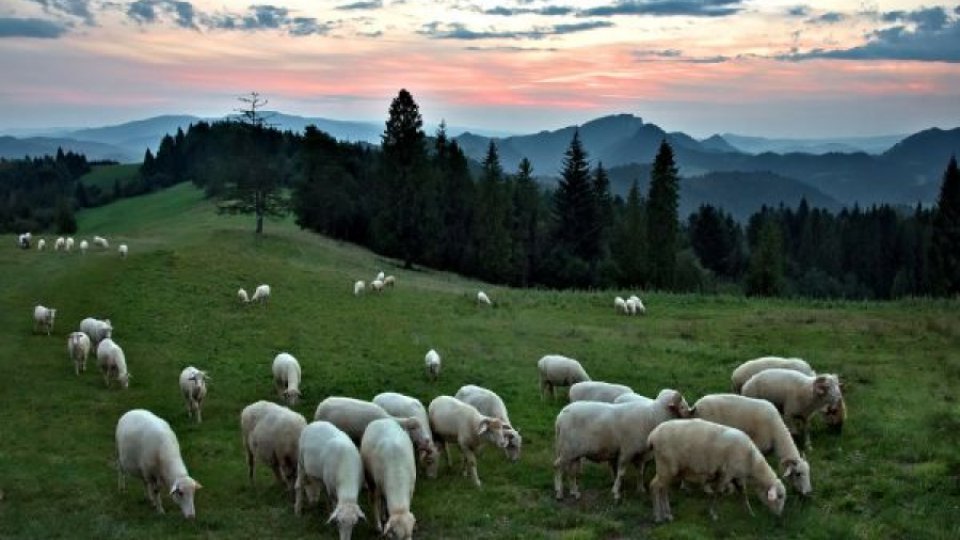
662, 221
945, 243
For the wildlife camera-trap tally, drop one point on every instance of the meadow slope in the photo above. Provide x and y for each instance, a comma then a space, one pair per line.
893, 473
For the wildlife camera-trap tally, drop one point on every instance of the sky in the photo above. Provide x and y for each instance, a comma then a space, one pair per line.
757, 67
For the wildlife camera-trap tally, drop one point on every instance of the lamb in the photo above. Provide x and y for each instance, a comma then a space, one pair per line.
620, 305
329, 461
96, 329
193, 386
380, 276
748, 369
358, 288
556, 370
100, 241
68, 244
23, 240
635, 305
43, 318
123, 250
41, 244
59, 244
286, 377
78, 348
612, 433
401, 407
761, 422
488, 403
452, 419
273, 439
795, 395
598, 391
389, 281
388, 462
624, 398
432, 362
376, 285
703, 452
242, 295
482, 298
352, 416
83, 247
148, 449
112, 363
261, 294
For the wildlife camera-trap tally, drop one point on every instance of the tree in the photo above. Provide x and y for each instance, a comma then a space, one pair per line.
576, 222
945, 242
456, 202
765, 275
631, 242
65, 220
491, 227
716, 239
603, 203
662, 220
526, 223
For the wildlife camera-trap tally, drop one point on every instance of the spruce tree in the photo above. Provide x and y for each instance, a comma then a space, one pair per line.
630, 248
945, 242
576, 224
492, 241
526, 237
662, 220
765, 275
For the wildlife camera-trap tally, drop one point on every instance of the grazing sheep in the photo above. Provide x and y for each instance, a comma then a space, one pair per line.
635, 305
261, 294
761, 422
452, 419
834, 415
68, 245
796, 396
352, 416
376, 285
23, 240
43, 319
123, 250
389, 466
78, 347
100, 241
719, 456
598, 391
482, 298
612, 433
112, 363
96, 329
620, 305
148, 449
358, 288
748, 369
242, 295
401, 407
41, 244
380, 276
330, 462
286, 378
432, 362
389, 281
193, 386
556, 370
83, 247
488, 403
274, 439
59, 244
624, 398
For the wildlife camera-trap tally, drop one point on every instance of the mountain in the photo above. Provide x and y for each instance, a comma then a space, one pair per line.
928, 147
14, 148
759, 145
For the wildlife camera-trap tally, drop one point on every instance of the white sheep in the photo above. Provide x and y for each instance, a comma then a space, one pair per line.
274, 439
359, 287
432, 363
718, 456
100, 241
835, 414
43, 319
68, 244
761, 422
482, 298
261, 294
78, 348
556, 370
400, 406
193, 386
609, 433
112, 363
329, 462
488, 403
352, 416
23, 240
380, 276
41, 244
123, 250
636, 305
148, 449
796, 396
454, 420
84, 246
286, 378
96, 329
389, 465
748, 369
59, 244
624, 398
389, 281
620, 305
598, 391
376, 285
242, 295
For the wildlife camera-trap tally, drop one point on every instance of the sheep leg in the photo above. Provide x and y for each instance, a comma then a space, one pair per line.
121, 478
199, 416
543, 389
641, 464
746, 496
299, 488
76, 367
619, 473
251, 465
377, 510
573, 474
446, 450
558, 469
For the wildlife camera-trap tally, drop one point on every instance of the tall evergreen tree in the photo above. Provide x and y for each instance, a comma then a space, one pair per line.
662, 220
576, 222
945, 242
630, 248
491, 227
456, 203
603, 201
526, 224
765, 275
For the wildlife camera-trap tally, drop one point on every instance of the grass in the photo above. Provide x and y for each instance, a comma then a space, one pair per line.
894, 473
105, 176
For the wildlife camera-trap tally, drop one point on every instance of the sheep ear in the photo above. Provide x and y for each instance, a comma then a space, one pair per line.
333, 516
772, 493
484, 426
388, 528
360, 514
197, 485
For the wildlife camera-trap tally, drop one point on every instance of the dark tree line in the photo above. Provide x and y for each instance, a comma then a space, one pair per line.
39, 194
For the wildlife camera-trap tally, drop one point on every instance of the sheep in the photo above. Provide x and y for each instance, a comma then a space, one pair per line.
286, 377
358, 288
748, 369
83, 247
43, 319
123, 250
352, 416
96, 329
624, 398
41, 244
703, 452
274, 439
612, 433
400, 406
380, 276
761, 422
636, 306
78, 348
59, 244
432, 362
23, 240
100, 241
795, 395
389, 466
242, 295
261, 294
389, 281
834, 415
620, 305
376, 285
482, 298
556, 370
148, 449
452, 419
193, 386
488, 403
598, 391
68, 244
112, 363
329, 461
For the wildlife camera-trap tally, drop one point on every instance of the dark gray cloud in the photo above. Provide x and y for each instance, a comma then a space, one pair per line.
830, 17
374, 4
149, 11
798, 11
74, 8
677, 55
269, 17
546, 10
459, 31
692, 8
11, 27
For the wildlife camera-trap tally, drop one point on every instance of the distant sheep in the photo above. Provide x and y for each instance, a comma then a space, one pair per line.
620, 305
59, 244
556, 370
193, 386
274, 440
635, 306
376, 285
78, 348
330, 463
748, 369
432, 363
390, 468
242, 295
598, 391
402, 407
100, 241
84, 246
389, 281
261, 294
68, 245
488, 403
796, 396
43, 319
112, 363
482, 298
148, 449
358, 288
96, 329
123, 250
380, 276
286, 378
23, 240
41, 244
454, 420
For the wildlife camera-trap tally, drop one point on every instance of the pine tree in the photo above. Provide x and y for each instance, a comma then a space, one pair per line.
765, 275
64, 218
456, 203
576, 223
492, 242
631, 242
603, 201
945, 243
662, 219
526, 224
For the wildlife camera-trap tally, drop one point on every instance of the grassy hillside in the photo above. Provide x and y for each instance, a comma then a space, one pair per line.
104, 176
894, 473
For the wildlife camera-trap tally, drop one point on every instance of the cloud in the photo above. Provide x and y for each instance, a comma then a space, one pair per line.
11, 27
546, 10
74, 8
691, 8
830, 17
149, 11
436, 30
678, 56
269, 17
373, 4
798, 11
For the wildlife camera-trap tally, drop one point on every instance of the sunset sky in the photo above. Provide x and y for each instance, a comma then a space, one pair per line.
758, 67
